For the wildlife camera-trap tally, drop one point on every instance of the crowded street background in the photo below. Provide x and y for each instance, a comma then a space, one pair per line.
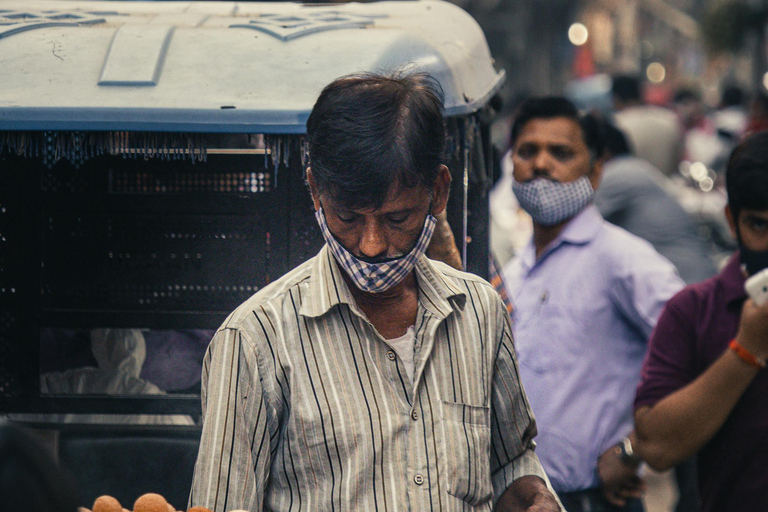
678, 85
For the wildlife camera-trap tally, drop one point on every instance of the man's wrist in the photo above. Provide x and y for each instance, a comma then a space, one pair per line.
526, 492
626, 453
746, 355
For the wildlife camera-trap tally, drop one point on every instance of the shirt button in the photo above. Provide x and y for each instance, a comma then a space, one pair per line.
391, 355
418, 479
414, 415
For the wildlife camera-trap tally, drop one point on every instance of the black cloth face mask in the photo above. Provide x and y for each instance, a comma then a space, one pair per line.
754, 261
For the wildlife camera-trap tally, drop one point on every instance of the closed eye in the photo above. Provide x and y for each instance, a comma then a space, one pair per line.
399, 219
347, 218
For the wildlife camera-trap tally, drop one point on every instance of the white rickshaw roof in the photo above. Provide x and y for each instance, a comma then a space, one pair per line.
247, 67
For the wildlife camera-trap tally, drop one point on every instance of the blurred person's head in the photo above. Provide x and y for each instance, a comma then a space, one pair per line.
122, 351
757, 117
731, 118
688, 106
626, 91
557, 157
746, 181
376, 172
616, 143
732, 96
686, 95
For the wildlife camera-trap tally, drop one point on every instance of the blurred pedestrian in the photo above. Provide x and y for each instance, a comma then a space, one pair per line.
633, 195
654, 132
757, 115
704, 383
701, 140
586, 296
730, 118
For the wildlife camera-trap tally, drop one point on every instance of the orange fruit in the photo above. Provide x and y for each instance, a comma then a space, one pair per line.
150, 502
106, 504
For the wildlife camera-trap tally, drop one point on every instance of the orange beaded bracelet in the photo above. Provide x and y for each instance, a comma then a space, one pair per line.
747, 356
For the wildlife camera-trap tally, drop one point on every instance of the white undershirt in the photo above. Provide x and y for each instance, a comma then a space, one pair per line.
404, 347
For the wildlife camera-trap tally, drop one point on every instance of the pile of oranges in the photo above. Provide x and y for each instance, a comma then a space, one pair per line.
146, 503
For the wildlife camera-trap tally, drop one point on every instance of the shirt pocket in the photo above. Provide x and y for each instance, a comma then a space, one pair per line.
468, 452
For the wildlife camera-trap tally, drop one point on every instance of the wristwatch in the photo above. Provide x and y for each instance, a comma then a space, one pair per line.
626, 453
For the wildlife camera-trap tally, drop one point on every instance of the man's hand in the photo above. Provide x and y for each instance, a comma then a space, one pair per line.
528, 493
442, 247
618, 480
685, 421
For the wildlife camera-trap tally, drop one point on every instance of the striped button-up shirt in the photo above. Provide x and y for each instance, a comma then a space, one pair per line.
306, 407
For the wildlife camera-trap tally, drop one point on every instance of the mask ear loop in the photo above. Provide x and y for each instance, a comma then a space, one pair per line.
423, 225
325, 220
742, 247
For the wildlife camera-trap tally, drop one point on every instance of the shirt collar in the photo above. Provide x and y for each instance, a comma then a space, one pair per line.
439, 292
327, 288
580, 230
732, 280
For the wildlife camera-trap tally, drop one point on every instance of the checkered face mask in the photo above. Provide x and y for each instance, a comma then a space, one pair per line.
551, 202
377, 277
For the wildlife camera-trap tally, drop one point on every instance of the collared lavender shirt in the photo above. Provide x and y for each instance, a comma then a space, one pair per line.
583, 315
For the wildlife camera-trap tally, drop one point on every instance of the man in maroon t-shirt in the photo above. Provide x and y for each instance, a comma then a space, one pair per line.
704, 388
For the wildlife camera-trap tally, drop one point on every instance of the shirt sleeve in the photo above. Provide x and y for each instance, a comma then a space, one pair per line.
642, 283
670, 363
513, 425
233, 463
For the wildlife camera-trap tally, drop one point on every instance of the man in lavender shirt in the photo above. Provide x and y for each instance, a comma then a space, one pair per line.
587, 295
704, 385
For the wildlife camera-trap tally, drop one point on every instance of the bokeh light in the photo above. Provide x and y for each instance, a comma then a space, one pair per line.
698, 171
656, 72
646, 49
578, 34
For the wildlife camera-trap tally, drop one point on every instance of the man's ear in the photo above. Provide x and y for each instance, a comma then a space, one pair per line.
440, 190
731, 221
313, 189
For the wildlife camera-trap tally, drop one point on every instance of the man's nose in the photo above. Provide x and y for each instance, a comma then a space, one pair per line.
541, 163
373, 242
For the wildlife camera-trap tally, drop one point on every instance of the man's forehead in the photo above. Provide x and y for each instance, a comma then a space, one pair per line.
397, 198
564, 130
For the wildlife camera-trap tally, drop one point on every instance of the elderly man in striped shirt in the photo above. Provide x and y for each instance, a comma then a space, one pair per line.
370, 377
